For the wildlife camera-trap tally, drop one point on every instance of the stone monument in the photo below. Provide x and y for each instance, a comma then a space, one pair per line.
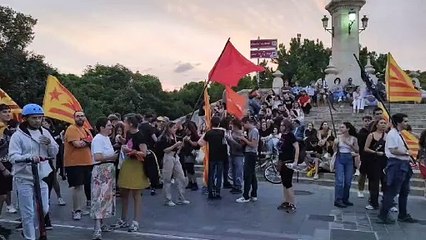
345, 38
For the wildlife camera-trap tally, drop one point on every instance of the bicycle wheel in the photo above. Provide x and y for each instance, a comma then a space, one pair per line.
272, 175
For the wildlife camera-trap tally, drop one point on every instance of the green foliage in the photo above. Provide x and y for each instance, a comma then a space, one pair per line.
378, 61
303, 61
16, 29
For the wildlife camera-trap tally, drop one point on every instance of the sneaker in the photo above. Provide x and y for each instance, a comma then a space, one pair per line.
134, 227
11, 209
349, 204
291, 208
407, 219
105, 228
283, 206
76, 215
89, 204
120, 224
253, 199
316, 177
85, 213
97, 235
170, 203
47, 223
360, 194
183, 202
394, 209
357, 173
61, 202
242, 200
153, 192
340, 205
370, 207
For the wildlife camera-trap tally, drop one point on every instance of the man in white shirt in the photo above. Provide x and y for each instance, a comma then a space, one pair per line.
398, 172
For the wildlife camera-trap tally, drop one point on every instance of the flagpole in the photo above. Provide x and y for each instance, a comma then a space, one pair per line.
388, 88
208, 80
368, 83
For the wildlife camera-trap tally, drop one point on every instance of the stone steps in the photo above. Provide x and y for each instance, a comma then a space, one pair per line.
416, 113
417, 184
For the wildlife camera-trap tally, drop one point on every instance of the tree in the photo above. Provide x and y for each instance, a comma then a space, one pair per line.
303, 61
22, 74
16, 29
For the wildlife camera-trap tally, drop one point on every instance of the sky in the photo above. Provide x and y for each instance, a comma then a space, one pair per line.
179, 40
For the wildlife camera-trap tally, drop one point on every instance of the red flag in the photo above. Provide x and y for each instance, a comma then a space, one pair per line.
231, 67
235, 103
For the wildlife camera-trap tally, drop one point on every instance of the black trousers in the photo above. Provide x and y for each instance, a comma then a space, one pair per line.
250, 179
376, 177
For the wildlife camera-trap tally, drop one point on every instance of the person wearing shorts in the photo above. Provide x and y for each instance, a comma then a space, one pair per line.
78, 161
288, 153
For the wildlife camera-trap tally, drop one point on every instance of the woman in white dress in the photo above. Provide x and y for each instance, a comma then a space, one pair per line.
103, 177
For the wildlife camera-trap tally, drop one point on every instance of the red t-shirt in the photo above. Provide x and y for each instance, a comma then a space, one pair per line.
304, 99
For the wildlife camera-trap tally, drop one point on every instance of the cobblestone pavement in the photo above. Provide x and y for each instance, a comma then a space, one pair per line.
316, 218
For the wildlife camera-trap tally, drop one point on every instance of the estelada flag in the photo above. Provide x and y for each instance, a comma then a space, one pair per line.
235, 103
399, 86
231, 66
59, 103
409, 138
15, 109
208, 115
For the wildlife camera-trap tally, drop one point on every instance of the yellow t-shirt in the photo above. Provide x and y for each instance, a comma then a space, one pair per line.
77, 156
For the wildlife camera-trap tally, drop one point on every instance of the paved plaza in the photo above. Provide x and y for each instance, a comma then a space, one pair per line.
316, 218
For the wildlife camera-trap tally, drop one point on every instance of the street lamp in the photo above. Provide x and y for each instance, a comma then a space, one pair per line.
325, 25
364, 22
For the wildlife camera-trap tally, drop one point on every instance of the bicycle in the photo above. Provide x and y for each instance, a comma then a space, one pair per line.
266, 163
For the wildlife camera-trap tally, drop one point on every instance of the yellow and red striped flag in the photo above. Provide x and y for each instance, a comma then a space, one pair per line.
59, 103
411, 140
15, 109
208, 115
399, 86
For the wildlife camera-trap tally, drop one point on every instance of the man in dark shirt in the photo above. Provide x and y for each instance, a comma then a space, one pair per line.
362, 138
150, 164
218, 152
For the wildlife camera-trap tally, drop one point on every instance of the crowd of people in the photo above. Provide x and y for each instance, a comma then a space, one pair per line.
123, 156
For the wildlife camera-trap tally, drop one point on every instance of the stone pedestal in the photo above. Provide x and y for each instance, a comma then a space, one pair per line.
331, 74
